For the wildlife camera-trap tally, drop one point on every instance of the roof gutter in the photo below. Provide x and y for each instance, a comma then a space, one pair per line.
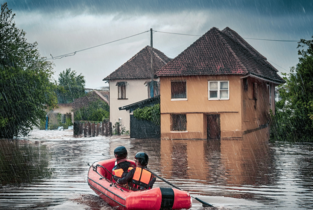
257, 77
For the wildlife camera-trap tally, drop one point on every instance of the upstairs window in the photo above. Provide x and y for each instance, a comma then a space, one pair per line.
178, 90
218, 90
179, 122
156, 91
121, 90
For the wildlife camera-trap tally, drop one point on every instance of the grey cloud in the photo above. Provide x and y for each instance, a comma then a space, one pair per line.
262, 8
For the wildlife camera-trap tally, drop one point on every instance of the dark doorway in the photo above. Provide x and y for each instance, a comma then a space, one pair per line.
213, 126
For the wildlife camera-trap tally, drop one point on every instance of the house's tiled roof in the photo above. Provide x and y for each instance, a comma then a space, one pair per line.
220, 53
139, 66
87, 99
233, 34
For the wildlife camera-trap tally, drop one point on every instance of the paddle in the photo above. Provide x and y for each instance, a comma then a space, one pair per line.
204, 204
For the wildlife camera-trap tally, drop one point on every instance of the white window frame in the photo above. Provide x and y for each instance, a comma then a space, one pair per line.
218, 90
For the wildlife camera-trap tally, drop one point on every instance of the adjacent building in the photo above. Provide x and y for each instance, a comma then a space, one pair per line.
219, 87
130, 83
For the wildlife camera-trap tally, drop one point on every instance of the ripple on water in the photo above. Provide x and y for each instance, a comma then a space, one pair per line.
231, 174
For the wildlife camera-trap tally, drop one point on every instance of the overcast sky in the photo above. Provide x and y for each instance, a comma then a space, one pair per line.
64, 26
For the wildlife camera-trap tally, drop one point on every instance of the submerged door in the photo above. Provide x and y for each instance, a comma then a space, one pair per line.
213, 126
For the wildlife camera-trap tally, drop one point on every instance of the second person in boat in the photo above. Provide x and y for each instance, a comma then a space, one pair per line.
139, 177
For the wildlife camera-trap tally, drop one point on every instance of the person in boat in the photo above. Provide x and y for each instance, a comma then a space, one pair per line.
139, 178
122, 166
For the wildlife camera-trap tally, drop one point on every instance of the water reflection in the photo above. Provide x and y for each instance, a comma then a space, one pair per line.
23, 162
248, 173
247, 161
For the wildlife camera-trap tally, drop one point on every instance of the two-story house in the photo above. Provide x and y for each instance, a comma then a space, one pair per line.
219, 87
130, 83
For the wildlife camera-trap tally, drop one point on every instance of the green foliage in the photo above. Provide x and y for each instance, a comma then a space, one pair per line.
95, 111
150, 113
25, 80
70, 86
294, 112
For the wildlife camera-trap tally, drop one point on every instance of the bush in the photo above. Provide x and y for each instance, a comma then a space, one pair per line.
149, 113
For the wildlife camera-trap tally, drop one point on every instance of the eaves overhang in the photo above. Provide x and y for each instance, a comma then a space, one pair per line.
141, 103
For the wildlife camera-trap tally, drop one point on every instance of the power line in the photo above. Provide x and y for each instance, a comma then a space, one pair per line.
278, 65
182, 34
273, 40
73, 53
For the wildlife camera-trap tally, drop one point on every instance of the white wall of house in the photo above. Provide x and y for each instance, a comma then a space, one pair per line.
136, 90
64, 109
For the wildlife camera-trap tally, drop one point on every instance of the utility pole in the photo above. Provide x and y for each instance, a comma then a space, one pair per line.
152, 71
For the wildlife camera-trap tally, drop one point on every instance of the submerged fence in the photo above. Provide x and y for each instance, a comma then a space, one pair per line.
91, 129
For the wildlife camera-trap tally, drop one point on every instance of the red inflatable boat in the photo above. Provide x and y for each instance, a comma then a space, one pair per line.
99, 179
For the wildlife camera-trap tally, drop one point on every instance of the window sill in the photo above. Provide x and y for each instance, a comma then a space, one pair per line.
122, 99
179, 131
218, 99
179, 99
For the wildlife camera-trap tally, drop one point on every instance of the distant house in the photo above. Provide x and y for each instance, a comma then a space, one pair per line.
219, 87
67, 110
130, 83
90, 97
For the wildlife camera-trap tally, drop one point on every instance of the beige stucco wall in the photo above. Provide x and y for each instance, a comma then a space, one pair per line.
197, 106
256, 112
136, 91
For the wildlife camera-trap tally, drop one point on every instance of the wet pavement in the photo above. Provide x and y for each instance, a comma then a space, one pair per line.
248, 173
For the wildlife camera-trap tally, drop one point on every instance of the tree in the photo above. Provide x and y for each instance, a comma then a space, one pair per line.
70, 86
294, 114
26, 89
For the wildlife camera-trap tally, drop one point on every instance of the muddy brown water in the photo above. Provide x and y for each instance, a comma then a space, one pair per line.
248, 173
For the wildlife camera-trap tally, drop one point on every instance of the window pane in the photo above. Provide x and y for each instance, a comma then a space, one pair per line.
213, 85
213, 94
179, 122
123, 91
119, 92
224, 94
178, 89
224, 85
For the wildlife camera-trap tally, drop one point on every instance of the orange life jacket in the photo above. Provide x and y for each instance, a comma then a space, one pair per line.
119, 172
142, 178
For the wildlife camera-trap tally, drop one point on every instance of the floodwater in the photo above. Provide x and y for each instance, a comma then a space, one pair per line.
50, 172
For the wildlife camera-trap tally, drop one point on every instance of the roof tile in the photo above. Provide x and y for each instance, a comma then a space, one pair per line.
220, 53
139, 66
